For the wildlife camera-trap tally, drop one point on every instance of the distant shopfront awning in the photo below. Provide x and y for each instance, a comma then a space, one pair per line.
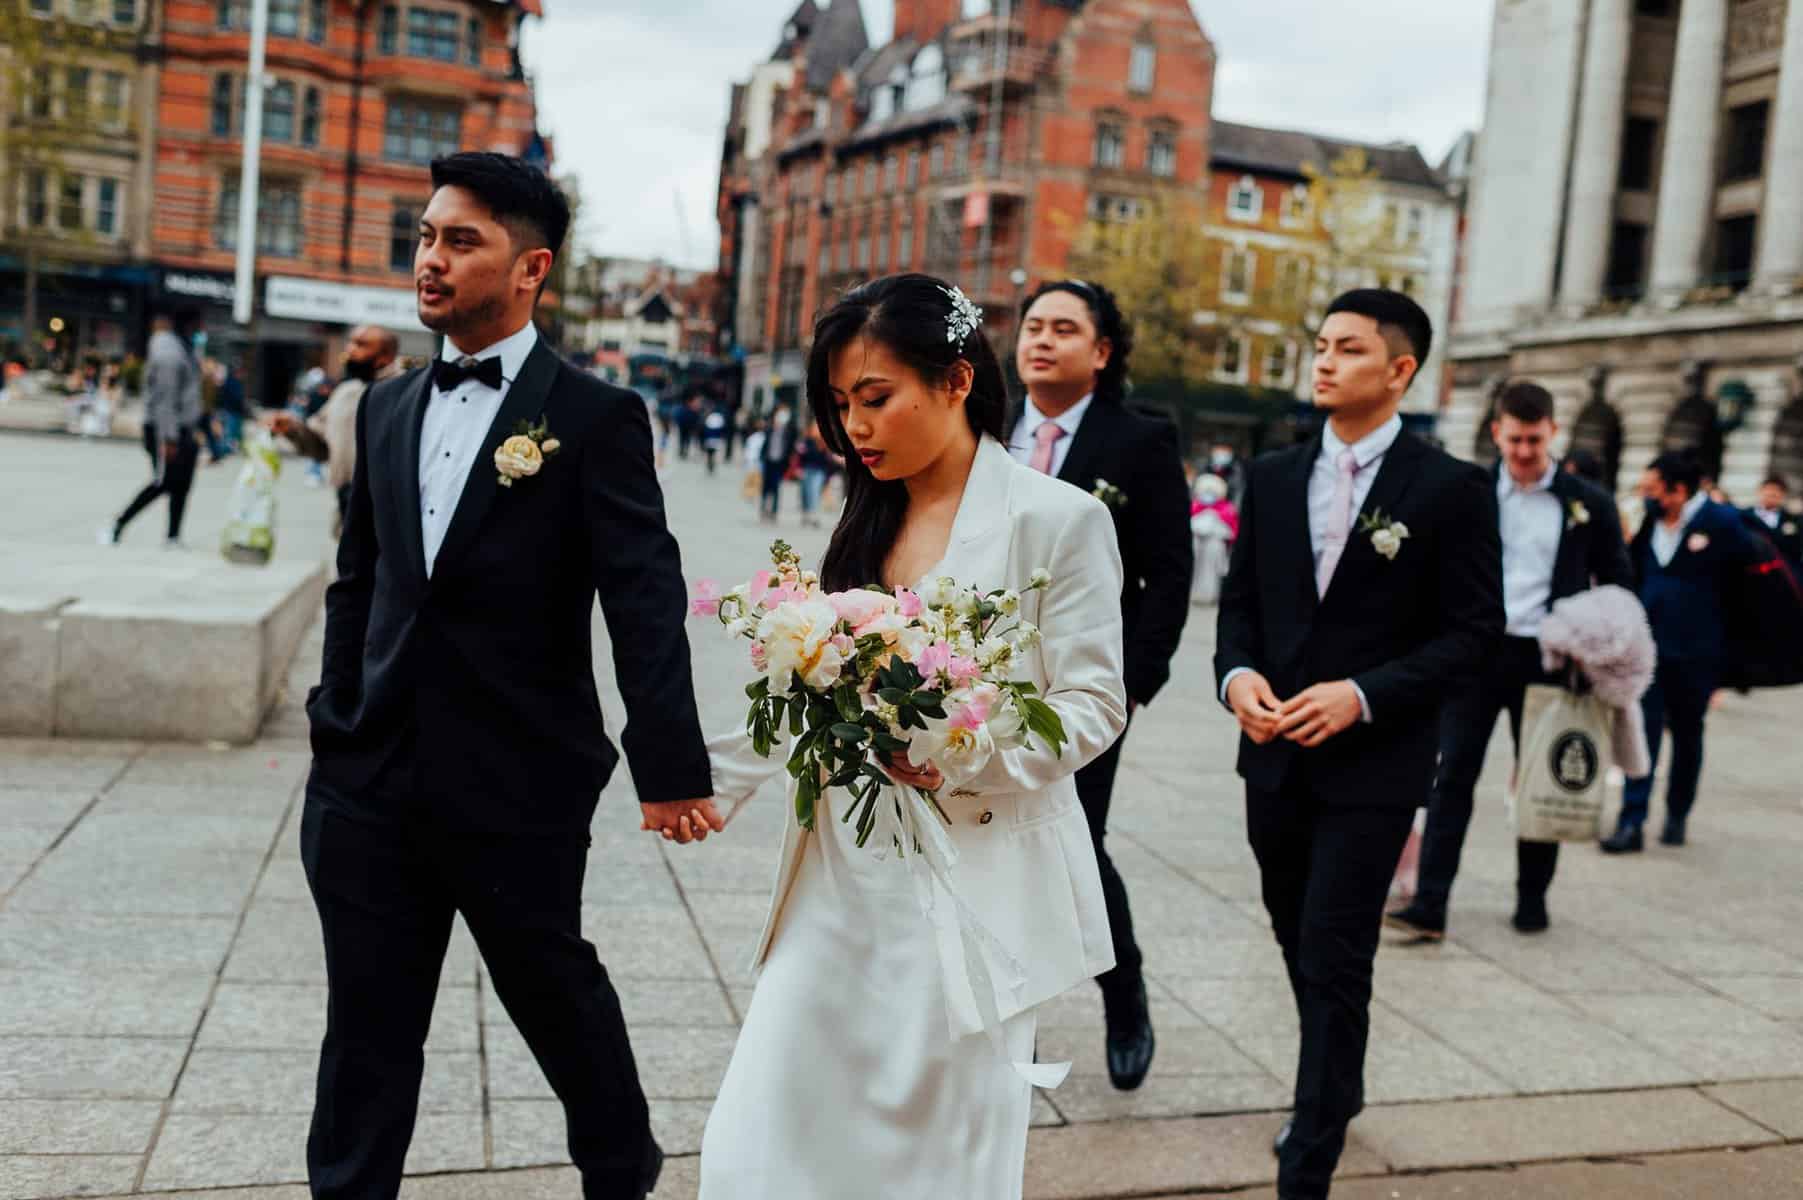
341, 303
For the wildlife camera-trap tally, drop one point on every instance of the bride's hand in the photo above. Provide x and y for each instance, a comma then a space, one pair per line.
927, 778
682, 821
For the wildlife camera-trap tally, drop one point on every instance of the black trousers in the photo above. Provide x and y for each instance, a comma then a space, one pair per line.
1679, 697
386, 894
1466, 722
1095, 788
171, 479
1325, 873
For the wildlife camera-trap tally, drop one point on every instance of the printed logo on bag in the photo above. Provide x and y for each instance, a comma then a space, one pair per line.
1574, 761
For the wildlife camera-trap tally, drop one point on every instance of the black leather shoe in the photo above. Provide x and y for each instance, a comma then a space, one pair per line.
1626, 840
1530, 917
654, 1167
1130, 1040
1283, 1135
1672, 834
1418, 921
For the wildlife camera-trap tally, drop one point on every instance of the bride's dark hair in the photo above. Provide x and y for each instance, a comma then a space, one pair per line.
908, 314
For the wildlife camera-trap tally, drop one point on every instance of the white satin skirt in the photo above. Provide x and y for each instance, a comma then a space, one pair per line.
845, 1081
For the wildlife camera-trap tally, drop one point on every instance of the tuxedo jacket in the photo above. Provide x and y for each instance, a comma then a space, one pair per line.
484, 670
1406, 630
1693, 602
1137, 453
1788, 537
1592, 552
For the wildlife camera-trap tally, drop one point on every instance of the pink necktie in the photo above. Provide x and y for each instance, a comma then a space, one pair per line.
1339, 520
1044, 438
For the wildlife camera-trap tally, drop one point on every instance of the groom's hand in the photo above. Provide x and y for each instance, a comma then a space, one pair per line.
1311, 717
1255, 706
682, 821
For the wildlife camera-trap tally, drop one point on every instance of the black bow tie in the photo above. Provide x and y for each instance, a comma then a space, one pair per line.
447, 374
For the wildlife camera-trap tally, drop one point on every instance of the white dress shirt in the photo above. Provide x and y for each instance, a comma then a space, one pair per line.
1021, 445
1533, 521
454, 433
1769, 517
1666, 537
1369, 453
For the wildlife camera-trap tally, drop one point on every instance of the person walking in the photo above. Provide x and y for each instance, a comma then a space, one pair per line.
171, 436
815, 462
1559, 538
1771, 518
330, 435
777, 452
1072, 355
1688, 557
1365, 588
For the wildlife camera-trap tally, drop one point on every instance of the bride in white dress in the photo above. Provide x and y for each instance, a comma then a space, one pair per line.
885, 1053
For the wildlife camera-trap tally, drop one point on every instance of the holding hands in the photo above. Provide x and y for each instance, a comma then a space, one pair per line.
682, 821
1308, 718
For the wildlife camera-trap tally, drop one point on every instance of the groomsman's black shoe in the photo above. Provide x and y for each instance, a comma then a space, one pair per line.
654, 1167
1626, 840
1130, 1040
1418, 921
1530, 916
1283, 1135
1672, 834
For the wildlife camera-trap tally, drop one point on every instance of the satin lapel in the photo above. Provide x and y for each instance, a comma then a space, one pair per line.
409, 420
971, 556
1392, 483
1080, 462
1299, 538
525, 402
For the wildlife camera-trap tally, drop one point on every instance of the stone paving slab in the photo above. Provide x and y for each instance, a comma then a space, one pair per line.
1776, 1104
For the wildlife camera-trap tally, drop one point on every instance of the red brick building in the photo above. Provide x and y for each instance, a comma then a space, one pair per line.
364, 94
970, 145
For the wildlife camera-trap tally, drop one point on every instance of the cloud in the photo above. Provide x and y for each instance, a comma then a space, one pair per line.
636, 91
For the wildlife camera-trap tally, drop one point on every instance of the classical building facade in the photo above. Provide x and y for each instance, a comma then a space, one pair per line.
1636, 229
363, 95
973, 144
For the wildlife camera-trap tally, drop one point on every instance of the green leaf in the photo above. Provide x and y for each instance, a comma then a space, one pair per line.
846, 698
807, 794
856, 735
888, 743
758, 689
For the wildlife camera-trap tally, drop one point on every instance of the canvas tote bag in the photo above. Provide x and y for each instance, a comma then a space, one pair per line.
1561, 776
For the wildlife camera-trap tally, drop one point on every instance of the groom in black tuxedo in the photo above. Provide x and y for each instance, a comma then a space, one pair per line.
458, 748
1365, 586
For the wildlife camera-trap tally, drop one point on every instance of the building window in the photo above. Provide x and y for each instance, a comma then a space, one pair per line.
1734, 242
1296, 206
1655, 8
1143, 68
224, 91
1161, 153
1626, 276
75, 94
1245, 200
1745, 157
278, 218
936, 161
69, 190
881, 261
1120, 210
403, 239
316, 22
1111, 145
125, 12
1231, 358
106, 208
113, 91
1238, 266
284, 18
37, 199
278, 112
388, 33
862, 259
912, 178
417, 131
1294, 282
472, 41
310, 118
832, 186
826, 255
1639, 142
43, 96
891, 172
432, 34
1280, 363
1414, 226
904, 251
870, 177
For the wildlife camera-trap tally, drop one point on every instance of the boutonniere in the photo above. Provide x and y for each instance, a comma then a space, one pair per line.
1110, 495
1788, 529
1576, 515
521, 456
1386, 534
1697, 543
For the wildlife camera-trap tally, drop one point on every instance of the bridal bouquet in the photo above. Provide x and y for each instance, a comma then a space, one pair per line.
859, 675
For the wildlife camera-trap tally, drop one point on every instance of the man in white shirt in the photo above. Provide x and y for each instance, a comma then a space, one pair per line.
1559, 537
1772, 518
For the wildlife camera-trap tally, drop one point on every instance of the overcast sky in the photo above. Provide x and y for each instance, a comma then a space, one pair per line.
635, 91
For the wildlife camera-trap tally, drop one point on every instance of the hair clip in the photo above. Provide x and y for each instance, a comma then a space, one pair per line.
963, 318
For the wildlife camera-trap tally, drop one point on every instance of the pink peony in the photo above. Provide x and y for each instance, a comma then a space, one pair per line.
861, 606
934, 659
909, 603
707, 599
963, 671
844, 645
759, 660
973, 714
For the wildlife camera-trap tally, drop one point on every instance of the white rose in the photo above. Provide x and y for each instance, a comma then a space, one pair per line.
1387, 542
798, 640
959, 753
1399, 529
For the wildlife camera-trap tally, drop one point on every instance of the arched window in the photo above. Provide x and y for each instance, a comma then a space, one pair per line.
1598, 430
926, 83
1787, 447
1693, 426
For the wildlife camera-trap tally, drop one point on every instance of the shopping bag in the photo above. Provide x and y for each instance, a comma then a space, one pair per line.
1561, 774
249, 535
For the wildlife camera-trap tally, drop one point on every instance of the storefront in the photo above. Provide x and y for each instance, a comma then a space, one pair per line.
83, 311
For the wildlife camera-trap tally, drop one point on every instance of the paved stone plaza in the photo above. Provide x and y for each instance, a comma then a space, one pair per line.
162, 999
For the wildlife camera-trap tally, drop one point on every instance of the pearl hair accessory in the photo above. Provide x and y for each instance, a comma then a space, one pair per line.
963, 318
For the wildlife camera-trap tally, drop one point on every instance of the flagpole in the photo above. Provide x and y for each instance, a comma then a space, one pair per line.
243, 296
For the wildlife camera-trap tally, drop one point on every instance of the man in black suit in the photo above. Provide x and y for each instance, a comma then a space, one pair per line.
1072, 355
457, 735
1772, 519
1338, 639
1689, 558
1560, 536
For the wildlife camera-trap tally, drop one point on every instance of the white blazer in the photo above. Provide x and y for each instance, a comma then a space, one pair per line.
1026, 864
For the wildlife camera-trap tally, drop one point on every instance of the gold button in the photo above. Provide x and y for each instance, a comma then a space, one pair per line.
986, 817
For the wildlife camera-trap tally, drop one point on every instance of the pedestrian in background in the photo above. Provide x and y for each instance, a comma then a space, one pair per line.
714, 429
171, 420
1772, 519
330, 435
776, 454
231, 407
815, 462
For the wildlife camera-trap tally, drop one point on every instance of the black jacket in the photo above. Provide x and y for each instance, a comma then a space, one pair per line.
486, 668
1137, 453
1788, 537
1591, 550
1407, 630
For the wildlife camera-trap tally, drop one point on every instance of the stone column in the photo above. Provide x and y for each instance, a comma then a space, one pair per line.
1596, 154
1780, 266
1687, 175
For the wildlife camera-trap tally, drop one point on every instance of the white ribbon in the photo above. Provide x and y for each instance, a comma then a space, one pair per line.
904, 818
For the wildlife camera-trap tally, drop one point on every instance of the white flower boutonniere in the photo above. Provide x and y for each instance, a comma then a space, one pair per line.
522, 455
1697, 543
1387, 535
1789, 529
1110, 495
1576, 515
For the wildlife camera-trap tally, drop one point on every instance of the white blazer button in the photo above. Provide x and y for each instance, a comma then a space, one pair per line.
986, 817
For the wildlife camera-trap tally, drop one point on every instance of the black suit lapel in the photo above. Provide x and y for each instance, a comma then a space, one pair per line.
1299, 543
1082, 461
409, 418
1569, 576
1392, 484
525, 401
